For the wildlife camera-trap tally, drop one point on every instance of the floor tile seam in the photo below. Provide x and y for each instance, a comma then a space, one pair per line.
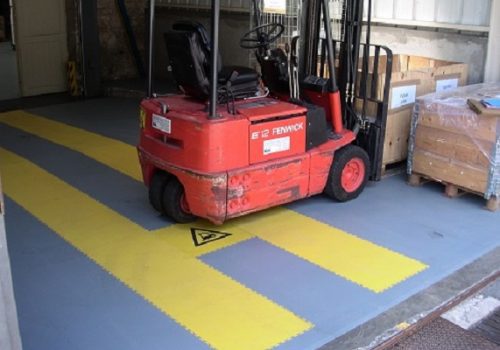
189, 257
357, 237
422, 268
65, 179
66, 123
158, 307
104, 139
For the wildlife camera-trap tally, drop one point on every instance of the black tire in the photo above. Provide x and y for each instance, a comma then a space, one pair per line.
156, 188
173, 197
341, 158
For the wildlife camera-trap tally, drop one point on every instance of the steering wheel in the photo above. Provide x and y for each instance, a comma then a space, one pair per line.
262, 36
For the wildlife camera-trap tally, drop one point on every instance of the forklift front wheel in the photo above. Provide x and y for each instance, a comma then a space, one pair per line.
175, 204
348, 174
156, 187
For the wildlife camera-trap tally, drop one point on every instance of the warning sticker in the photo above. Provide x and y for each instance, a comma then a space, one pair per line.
162, 123
403, 95
276, 145
446, 85
202, 236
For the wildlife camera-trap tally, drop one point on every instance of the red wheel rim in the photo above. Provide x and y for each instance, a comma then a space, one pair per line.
353, 175
184, 204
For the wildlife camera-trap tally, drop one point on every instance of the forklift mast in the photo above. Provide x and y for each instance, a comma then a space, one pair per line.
309, 37
351, 25
348, 92
351, 70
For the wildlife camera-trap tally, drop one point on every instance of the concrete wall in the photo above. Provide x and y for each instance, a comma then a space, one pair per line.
117, 60
470, 49
9, 329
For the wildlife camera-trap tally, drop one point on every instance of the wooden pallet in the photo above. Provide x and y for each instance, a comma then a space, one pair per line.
453, 191
394, 168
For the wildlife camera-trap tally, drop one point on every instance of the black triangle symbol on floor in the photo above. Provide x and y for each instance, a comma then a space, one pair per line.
202, 236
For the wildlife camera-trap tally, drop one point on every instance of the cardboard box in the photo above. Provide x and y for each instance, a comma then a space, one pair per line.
453, 144
412, 76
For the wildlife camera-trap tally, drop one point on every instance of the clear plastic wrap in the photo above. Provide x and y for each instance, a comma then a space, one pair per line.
450, 142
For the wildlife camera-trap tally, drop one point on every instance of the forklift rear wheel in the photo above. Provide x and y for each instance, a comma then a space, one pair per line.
156, 187
348, 174
175, 204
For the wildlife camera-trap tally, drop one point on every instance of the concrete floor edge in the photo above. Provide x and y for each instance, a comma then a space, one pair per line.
403, 319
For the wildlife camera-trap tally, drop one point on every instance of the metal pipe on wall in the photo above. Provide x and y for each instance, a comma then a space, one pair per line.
152, 5
90, 48
492, 68
214, 56
81, 39
12, 26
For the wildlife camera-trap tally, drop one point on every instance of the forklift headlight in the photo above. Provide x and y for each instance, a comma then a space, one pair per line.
142, 118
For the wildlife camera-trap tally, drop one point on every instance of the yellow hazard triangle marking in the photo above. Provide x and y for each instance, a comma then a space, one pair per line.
219, 310
205, 236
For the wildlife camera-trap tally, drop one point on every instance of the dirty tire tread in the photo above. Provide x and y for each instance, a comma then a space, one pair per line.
341, 157
172, 196
156, 188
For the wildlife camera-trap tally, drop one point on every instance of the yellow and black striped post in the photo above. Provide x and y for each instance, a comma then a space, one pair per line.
73, 86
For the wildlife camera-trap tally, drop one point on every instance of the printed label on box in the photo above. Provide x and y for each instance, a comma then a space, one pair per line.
403, 95
162, 123
446, 85
276, 145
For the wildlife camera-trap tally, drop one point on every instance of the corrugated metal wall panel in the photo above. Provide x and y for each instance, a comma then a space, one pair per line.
425, 10
384, 9
476, 12
463, 12
403, 9
449, 11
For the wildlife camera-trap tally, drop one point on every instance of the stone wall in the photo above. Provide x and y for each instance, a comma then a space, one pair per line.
118, 62
116, 55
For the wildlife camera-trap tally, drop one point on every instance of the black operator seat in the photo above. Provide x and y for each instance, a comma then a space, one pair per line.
188, 49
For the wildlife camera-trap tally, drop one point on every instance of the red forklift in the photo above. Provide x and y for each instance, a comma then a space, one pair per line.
235, 141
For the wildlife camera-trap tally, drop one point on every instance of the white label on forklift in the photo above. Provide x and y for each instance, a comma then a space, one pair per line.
162, 123
403, 95
276, 145
446, 85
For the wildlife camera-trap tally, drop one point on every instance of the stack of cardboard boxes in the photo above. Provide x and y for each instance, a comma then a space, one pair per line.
412, 76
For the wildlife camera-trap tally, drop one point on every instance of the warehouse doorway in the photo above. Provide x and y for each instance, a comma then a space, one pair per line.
9, 88
41, 46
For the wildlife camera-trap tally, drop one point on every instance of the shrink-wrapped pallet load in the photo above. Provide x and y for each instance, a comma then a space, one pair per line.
455, 139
